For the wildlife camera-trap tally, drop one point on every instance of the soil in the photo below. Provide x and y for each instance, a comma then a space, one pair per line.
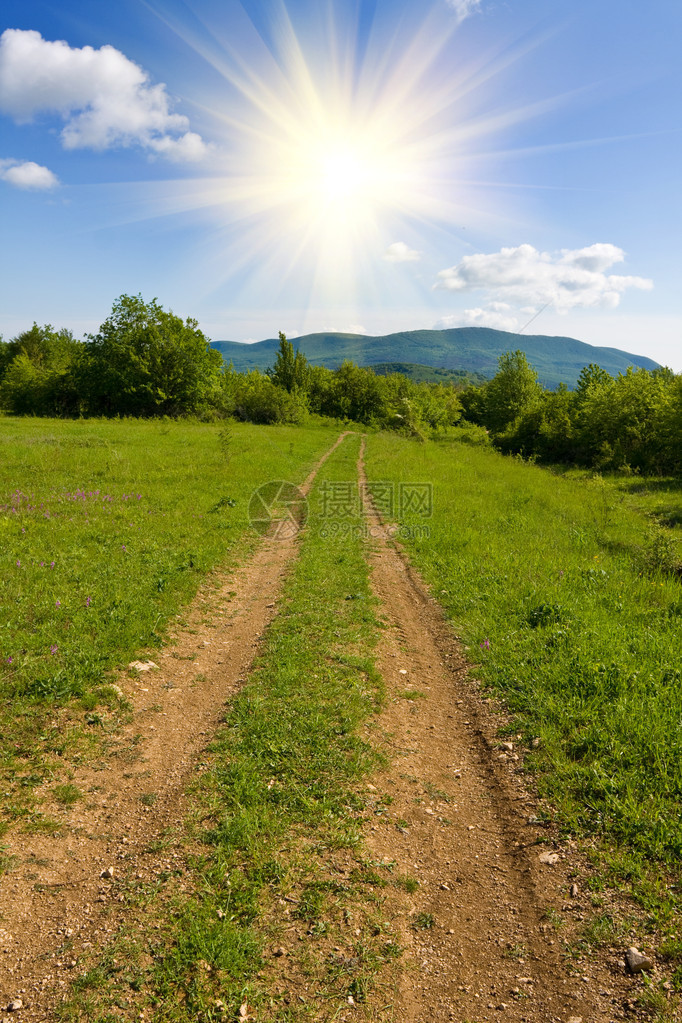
484, 930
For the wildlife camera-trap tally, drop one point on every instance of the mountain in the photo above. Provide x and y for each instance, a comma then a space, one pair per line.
472, 349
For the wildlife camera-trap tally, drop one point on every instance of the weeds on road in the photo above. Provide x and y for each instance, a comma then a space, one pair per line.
285, 922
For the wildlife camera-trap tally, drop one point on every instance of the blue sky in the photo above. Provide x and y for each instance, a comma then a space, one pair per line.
371, 166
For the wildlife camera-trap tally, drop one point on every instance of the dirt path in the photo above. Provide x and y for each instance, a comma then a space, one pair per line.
59, 886
484, 932
484, 928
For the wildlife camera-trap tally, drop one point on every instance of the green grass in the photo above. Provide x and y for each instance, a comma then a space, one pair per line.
67, 794
107, 529
547, 580
279, 817
658, 497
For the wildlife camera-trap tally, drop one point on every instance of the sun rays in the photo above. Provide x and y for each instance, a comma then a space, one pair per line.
331, 146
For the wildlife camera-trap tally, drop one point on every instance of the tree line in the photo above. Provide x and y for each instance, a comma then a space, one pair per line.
633, 420
145, 361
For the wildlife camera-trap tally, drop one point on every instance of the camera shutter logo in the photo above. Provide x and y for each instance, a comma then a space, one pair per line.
278, 509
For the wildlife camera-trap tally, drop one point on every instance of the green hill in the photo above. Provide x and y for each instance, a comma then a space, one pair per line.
471, 349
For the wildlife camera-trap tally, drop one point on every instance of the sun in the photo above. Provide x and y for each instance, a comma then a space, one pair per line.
343, 175
339, 178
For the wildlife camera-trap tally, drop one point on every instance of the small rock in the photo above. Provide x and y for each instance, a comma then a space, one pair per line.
574, 1019
243, 1010
573, 891
15, 1005
508, 746
502, 1006
402, 671
143, 665
535, 743
117, 691
281, 951
108, 872
549, 857
636, 961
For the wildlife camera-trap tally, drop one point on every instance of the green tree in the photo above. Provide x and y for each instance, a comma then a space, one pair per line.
671, 427
257, 399
513, 390
291, 370
145, 362
356, 394
545, 429
591, 378
37, 372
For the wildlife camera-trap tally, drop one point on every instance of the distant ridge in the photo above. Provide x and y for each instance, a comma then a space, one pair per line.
470, 349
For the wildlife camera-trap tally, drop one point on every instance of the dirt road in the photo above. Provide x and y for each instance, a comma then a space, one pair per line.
484, 932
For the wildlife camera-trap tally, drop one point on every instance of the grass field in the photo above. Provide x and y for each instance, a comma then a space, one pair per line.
567, 597
106, 529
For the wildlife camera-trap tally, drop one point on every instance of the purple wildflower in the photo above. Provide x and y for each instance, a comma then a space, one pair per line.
485, 645
57, 603
53, 649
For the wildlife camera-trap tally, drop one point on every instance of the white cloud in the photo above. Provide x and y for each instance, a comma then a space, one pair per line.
334, 328
26, 174
104, 99
565, 280
463, 8
399, 252
479, 318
